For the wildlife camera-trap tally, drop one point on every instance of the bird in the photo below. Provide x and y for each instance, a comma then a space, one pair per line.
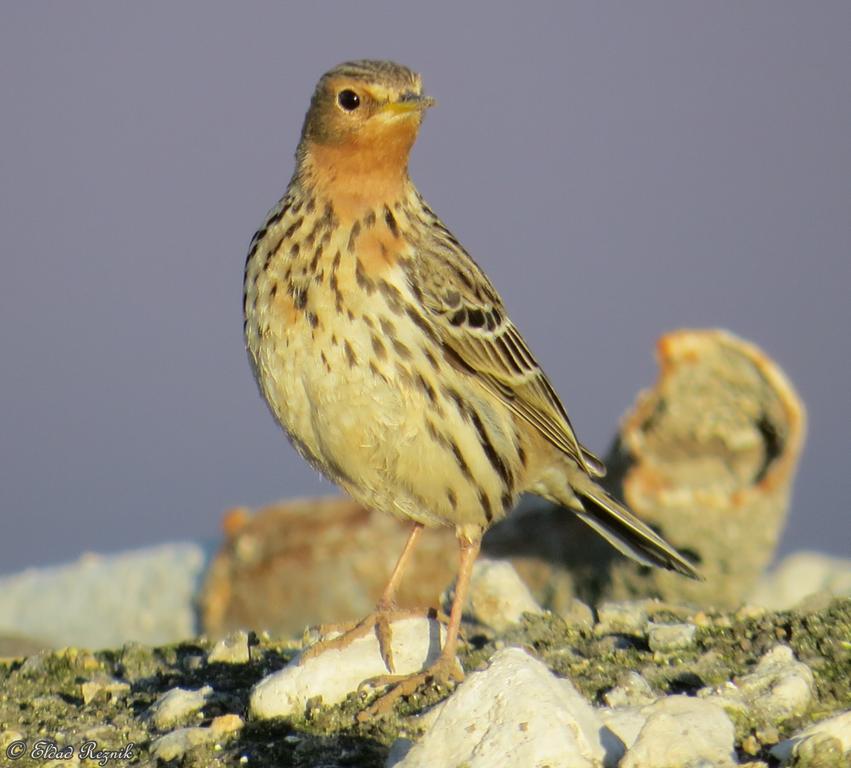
390, 361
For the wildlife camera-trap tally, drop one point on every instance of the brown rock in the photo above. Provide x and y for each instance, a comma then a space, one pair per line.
709, 456
313, 561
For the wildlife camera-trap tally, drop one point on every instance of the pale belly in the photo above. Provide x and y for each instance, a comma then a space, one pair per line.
368, 421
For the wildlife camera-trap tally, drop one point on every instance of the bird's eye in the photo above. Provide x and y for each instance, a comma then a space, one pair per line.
348, 100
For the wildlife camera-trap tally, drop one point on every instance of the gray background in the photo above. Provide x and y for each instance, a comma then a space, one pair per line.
618, 169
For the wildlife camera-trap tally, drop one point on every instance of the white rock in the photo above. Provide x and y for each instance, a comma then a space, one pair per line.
232, 649
624, 723
498, 597
103, 601
514, 714
800, 575
682, 732
827, 737
632, 691
174, 745
627, 616
177, 705
336, 673
670, 637
779, 688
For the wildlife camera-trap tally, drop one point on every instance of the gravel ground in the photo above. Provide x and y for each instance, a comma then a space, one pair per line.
72, 697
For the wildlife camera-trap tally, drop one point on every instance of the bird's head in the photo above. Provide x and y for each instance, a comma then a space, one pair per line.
362, 122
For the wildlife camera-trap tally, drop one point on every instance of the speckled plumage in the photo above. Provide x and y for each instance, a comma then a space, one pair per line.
356, 372
383, 349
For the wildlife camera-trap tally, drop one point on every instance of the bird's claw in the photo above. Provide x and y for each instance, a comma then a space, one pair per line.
380, 621
444, 671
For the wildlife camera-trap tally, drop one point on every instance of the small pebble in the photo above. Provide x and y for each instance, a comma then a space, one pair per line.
578, 614
750, 612
113, 688
627, 617
632, 691
751, 745
779, 688
670, 637
194, 662
232, 649
225, 724
767, 735
176, 744
701, 619
177, 705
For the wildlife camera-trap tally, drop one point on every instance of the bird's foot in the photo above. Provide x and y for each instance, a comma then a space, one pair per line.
445, 671
379, 620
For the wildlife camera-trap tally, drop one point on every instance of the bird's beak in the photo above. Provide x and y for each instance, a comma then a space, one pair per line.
408, 103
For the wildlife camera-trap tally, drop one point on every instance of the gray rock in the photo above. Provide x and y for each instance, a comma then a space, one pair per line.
498, 598
486, 723
826, 743
99, 601
670, 637
682, 732
335, 673
232, 649
177, 705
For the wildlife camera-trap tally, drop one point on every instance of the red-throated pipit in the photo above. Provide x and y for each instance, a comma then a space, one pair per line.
388, 357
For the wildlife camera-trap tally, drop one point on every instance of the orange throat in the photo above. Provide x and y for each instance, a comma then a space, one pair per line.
357, 176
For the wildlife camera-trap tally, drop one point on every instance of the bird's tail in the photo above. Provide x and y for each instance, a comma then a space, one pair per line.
623, 530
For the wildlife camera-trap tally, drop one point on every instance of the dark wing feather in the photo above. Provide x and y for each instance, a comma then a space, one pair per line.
471, 321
